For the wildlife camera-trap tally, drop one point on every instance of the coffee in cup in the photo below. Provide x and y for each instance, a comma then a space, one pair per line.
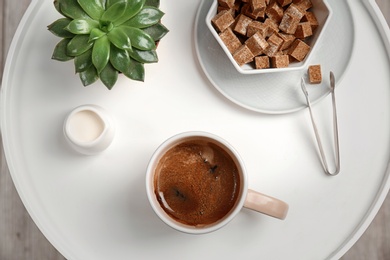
196, 182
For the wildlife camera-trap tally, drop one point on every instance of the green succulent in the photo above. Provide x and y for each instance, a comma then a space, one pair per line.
108, 37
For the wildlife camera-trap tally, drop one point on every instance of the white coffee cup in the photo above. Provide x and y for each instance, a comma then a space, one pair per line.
89, 129
246, 198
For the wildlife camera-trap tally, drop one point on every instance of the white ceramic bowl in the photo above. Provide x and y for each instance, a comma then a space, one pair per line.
323, 13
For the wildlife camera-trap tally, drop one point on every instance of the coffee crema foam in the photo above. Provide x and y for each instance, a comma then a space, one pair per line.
197, 183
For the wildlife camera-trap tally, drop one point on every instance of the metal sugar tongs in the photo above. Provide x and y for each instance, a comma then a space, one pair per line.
335, 127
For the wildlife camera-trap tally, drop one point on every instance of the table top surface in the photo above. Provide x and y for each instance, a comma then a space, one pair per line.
22, 240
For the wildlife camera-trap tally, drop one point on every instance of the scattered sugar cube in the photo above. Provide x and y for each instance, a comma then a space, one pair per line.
315, 75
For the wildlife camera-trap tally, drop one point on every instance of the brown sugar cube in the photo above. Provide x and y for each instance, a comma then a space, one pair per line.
283, 3
258, 5
291, 19
315, 75
280, 61
222, 20
295, 11
230, 40
288, 39
247, 10
279, 53
242, 22
243, 55
226, 3
272, 26
288, 24
275, 40
255, 27
274, 45
221, 8
303, 30
257, 44
299, 50
291, 58
262, 62
275, 12
303, 4
312, 19
237, 7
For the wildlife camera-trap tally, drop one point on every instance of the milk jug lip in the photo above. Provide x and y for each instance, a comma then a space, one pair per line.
97, 113
101, 142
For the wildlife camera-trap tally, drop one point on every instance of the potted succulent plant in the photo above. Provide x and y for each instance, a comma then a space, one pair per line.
108, 37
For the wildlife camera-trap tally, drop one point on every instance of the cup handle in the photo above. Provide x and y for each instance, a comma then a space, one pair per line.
265, 204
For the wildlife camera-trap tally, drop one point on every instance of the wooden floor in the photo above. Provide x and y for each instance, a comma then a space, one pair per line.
20, 239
